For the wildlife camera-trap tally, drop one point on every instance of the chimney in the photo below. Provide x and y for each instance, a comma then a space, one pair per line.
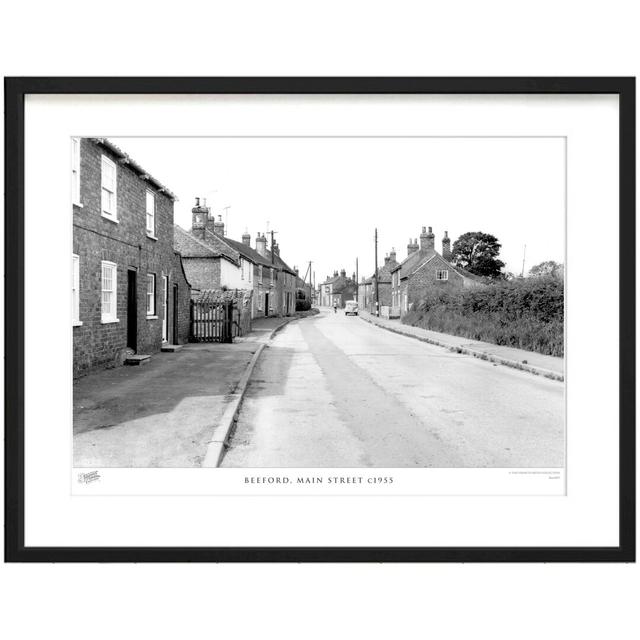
412, 246
335, 274
343, 273
392, 255
198, 217
446, 246
261, 245
246, 238
218, 226
427, 240
296, 270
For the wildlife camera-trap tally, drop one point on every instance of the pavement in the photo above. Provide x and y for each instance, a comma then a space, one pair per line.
537, 363
167, 412
334, 391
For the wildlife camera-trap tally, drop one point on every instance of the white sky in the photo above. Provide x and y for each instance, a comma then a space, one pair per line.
325, 196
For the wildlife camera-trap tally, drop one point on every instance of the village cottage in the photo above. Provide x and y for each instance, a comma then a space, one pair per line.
367, 287
336, 290
424, 269
214, 261
129, 291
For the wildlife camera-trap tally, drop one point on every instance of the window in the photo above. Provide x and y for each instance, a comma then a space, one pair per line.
271, 274
109, 189
250, 270
151, 214
260, 274
151, 294
75, 170
75, 291
442, 274
109, 292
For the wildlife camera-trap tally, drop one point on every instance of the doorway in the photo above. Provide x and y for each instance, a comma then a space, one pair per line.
132, 310
175, 336
165, 308
266, 304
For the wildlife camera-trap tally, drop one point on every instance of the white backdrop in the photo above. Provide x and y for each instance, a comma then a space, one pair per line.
288, 38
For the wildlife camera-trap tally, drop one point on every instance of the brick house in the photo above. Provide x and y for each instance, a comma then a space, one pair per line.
130, 294
367, 287
337, 289
212, 261
423, 269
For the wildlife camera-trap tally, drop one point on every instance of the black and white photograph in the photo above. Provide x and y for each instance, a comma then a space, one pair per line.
377, 317
319, 302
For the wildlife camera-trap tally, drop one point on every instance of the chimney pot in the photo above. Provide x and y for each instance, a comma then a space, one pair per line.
197, 202
446, 246
427, 240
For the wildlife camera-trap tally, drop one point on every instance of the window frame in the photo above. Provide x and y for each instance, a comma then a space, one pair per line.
151, 233
439, 273
151, 296
260, 273
75, 171
112, 316
75, 290
109, 215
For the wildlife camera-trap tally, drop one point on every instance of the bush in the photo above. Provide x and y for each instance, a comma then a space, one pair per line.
525, 313
303, 305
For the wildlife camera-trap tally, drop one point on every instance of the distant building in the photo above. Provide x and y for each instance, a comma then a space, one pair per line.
213, 261
424, 269
367, 287
337, 289
130, 293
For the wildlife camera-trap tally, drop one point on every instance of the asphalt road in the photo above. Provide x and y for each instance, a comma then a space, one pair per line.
335, 391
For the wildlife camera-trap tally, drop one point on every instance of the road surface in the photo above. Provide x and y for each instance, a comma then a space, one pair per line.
335, 391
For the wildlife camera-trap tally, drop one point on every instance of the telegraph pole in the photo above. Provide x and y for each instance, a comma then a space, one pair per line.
357, 281
310, 272
524, 255
376, 274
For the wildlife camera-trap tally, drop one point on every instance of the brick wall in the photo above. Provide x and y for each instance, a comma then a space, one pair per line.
425, 278
202, 273
96, 238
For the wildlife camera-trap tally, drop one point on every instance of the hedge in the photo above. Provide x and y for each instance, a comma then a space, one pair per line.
526, 313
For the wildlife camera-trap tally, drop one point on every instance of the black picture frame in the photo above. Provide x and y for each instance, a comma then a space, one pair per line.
15, 91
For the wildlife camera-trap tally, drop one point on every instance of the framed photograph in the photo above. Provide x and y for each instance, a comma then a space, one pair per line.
320, 319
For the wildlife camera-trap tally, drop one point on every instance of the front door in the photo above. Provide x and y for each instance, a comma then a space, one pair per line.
175, 315
165, 308
266, 304
132, 310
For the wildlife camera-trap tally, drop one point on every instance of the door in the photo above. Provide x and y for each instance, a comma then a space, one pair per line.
132, 310
174, 315
165, 308
266, 304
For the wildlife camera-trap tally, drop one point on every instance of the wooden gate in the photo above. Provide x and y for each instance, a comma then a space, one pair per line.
212, 321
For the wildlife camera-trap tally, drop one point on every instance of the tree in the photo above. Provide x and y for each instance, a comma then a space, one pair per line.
546, 268
477, 252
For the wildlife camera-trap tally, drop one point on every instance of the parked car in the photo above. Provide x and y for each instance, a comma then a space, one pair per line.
351, 307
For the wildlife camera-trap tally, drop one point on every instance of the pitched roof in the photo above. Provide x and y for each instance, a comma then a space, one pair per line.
189, 246
132, 164
417, 259
243, 249
280, 263
413, 261
384, 272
